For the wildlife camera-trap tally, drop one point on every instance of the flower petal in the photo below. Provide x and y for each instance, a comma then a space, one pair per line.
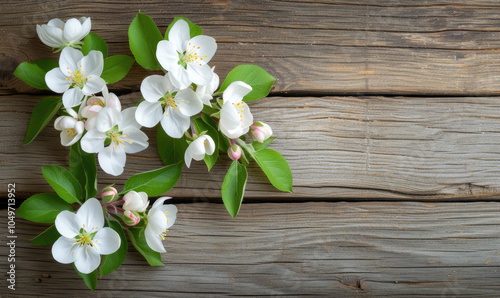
205, 47
179, 77
51, 36
72, 30
159, 202
157, 220
92, 64
87, 259
56, 23
62, 250
93, 85
93, 141
170, 212
107, 119
209, 145
179, 35
148, 114
68, 61
247, 118
68, 137
107, 241
112, 159
128, 119
235, 92
138, 140
56, 80
91, 215
199, 74
188, 102
72, 97
175, 123
86, 25
188, 157
112, 101
153, 240
67, 224
167, 55
154, 87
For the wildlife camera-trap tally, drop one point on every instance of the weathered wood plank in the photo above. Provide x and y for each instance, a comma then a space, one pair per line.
337, 147
431, 47
319, 249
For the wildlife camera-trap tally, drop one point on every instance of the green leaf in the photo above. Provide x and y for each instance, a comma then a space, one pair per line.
136, 235
275, 167
259, 146
116, 68
253, 75
44, 110
143, 36
94, 42
64, 183
48, 236
194, 30
201, 126
156, 182
33, 73
233, 187
111, 262
171, 150
82, 165
42, 207
89, 279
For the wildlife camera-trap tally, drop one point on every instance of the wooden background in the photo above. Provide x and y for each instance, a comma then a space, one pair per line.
388, 112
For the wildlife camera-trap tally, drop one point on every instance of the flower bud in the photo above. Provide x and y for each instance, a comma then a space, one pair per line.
136, 201
260, 131
234, 152
109, 194
131, 218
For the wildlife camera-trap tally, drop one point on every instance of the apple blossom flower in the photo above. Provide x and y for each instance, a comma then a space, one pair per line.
115, 134
160, 218
71, 129
186, 58
260, 131
76, 76
235, 116
205, 92
84, 239
234, 152
136, 201
57, 34
94, 105
198, 148
165, 103
131, 218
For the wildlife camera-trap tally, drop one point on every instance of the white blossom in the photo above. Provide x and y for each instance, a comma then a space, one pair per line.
160, 218
235, 116
198, 148
57, 34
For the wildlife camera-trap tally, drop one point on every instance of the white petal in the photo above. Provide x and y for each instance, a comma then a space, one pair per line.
67, 224
188, 157
247, 118
56, 80
175, 123
188, 102
92, 64
93, 141
197, 148
72, 97
199, 74
107, 119
86, 25
159, 202
87, 259
62, 250
153, 240
170, 212
215, 81
148, 114
138, 139
229, 116
235, 92
157, 220
72, 30
154, 87
64, 122
167, 55
68, 61
68, 138
209, 145
112, 101
56, 23
207, 47
93, 85
51, 36
107, 241
112, 159
128, 119
179, 35
90, 215
179, 77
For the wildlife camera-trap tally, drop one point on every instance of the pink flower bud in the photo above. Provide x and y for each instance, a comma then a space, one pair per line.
109, 194
131, 218
234, 152
260, 131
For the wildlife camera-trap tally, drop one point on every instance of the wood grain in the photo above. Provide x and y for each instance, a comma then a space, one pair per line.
329, 47
318, 249
338, 148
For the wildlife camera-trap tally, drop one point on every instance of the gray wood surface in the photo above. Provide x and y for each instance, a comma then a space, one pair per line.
337, 147
318, 249
431, 47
